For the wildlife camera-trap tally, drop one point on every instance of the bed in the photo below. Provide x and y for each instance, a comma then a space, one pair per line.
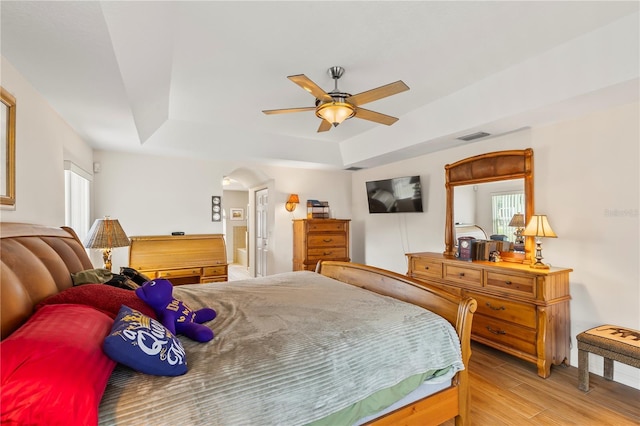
270, 378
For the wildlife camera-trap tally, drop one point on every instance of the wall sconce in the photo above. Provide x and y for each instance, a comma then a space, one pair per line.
106, 234
517, 221
292, 202
539, 227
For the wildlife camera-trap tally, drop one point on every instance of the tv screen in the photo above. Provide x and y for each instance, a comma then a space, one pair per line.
397, 195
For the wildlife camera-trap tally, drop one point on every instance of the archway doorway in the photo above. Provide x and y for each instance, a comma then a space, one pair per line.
253, 181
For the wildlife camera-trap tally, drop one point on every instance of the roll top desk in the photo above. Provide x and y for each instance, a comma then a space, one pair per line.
182, 259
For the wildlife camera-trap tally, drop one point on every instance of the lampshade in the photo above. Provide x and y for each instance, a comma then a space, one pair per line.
292, 202
105, 234
517, 220
539, 227
335, 112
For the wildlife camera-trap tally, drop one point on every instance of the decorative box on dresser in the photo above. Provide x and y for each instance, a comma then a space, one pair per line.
319, 239
182, 259
521, 310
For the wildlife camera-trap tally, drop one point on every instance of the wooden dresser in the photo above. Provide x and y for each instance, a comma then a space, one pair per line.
319, 239
182, 259
521, 311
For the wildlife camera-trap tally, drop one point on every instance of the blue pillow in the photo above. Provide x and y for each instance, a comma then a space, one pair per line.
144, 344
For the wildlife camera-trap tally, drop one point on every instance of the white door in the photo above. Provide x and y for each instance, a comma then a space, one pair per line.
262, 232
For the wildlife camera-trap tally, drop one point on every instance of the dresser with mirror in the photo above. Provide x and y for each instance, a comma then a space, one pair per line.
521, 310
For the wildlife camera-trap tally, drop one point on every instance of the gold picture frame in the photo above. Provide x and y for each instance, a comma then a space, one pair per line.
8, 149
236, 214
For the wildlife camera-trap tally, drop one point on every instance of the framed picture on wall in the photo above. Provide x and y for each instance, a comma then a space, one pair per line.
216, 208
236, 214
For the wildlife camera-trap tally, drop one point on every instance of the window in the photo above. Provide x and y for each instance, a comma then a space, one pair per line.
77, 193
504, 206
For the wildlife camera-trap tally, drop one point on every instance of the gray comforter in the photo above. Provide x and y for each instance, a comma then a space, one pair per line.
289, 349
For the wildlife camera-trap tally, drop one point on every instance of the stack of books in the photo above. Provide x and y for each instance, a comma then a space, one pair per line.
481, 249
317, 209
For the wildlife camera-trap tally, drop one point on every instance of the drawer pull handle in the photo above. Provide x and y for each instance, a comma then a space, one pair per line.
426, 267
491, 330
507, 282
461, 274
499, 308
326, 253
327, 240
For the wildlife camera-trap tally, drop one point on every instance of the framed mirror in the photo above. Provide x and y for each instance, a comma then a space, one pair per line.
512, 165
8, 149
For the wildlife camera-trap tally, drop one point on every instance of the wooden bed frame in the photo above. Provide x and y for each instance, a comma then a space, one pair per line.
37, 262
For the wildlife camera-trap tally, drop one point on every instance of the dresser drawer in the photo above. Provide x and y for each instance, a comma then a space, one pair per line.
326, 240
315, 254
427, 268
463, 275
515, 283
214, 279
505, 310
175, 273
505, 333
214, 270
327, 226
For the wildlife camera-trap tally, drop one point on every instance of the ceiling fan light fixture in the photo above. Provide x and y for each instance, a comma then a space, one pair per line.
336, 106
335, 112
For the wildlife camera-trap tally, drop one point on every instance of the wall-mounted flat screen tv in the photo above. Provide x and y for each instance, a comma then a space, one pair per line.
396, 195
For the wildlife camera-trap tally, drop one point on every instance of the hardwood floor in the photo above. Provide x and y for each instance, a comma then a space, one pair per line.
237, 272
507, 391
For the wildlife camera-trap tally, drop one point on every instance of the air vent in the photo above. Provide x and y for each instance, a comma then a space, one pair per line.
473, 136
353, 168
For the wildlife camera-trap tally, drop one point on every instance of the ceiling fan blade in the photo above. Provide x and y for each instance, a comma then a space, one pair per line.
287, 110
377, 117
308, 85
378, 93
324, 126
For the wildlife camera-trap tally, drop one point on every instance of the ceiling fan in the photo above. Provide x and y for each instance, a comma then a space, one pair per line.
336, 106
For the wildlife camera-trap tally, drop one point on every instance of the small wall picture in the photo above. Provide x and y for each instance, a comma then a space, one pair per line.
236, 214
216, 208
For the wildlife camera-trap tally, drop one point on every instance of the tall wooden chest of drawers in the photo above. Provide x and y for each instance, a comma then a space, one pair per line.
521, 311
319, 239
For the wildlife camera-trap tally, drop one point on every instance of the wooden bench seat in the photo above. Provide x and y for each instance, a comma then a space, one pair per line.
613, 343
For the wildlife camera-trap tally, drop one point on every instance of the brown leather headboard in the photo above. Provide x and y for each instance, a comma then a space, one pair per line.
36, 262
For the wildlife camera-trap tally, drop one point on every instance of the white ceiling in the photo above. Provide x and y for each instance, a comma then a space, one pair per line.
191, 78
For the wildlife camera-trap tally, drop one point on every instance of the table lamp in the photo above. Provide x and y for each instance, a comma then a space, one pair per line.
106, 234
517, 221
538, 227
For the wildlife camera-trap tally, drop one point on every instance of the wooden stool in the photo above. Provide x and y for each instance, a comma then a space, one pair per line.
613, 343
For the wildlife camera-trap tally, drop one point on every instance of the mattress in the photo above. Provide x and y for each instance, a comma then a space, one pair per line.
290, 349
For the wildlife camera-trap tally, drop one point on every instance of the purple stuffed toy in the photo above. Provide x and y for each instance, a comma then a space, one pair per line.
175, 314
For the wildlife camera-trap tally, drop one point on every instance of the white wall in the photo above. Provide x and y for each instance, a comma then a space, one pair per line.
586, 181
43, 142
152, 195
332, 186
